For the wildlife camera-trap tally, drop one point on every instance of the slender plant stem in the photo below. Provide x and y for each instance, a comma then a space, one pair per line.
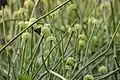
5, 37
64, 3
109, 74
34, 55
53, 49
34, 8
23, 56
87, 46
99, 56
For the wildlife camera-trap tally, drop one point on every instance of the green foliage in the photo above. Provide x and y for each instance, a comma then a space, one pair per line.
60, 39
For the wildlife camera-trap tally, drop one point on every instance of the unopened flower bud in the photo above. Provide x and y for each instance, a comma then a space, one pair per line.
26, 36
103, 69
45, 31
88, 77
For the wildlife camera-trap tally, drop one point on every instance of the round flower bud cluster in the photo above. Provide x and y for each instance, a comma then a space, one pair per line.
82, 39
23, 24
32, 19
70, 61
70, 30
28, 4
88, 77
45, 31
26, 36
81, 43
94, 20
106, 7
78, 26
47, 52
103, 69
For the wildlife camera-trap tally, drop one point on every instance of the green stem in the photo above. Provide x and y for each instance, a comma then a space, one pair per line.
23, 56
34, 8
44, 63
109, 74
47, 14
53, 49
49, 54
5, 37
99, 56
58, 75
63, 60
87, 46
31, 44
34, 55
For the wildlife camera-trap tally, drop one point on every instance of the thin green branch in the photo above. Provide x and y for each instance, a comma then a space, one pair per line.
33, 24
99, 56
56, 74
109, 74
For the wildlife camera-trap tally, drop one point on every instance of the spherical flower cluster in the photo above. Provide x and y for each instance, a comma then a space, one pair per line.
81, 43
106, 6
26, 36
32, 19
45, 31
82, 37
23, 24
78, 26
88, 77
94, 20
47, 52
103, 69
70, 30
70, 61
82, 40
